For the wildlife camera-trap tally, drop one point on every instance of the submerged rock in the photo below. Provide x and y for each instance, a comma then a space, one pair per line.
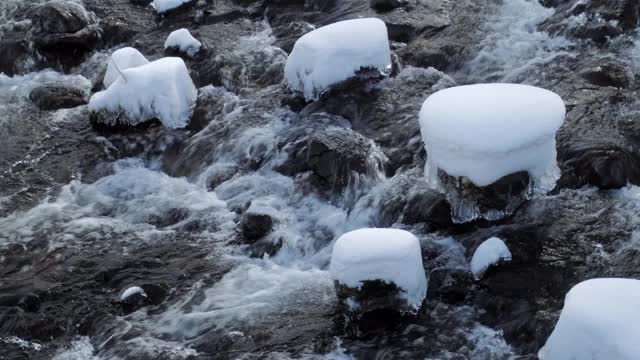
58, 96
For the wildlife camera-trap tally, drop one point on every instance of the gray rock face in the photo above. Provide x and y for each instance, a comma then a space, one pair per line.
65, 31
603, 19
55, 96
255, 225
334, 155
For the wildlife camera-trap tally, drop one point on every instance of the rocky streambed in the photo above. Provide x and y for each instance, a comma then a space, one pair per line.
227, 225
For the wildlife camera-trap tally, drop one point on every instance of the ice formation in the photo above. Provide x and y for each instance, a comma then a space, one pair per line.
163, 6
600, 320
122, 59
183, 41
487, 131
161, 89
390, 255
335, 52
490, 252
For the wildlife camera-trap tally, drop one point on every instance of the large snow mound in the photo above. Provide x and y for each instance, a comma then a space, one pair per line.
487, 131
335, 52
600, 321
390, 255
161, 89
122, 59
490, 252
163, 6
182, 40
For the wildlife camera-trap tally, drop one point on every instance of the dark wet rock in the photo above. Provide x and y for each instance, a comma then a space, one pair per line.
65, 32
492, 202
609, 74
333, 155
606, 166
408, 200
141, 2
255, 225
386, 5
152, 294
29, 302
15, 52
372, 296
265, 246
449, 285
599, 19
57, 96
289, 32
450, 41
120, 21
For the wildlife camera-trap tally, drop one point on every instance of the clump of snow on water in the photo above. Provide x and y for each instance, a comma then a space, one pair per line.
491, 252
600, 320
183, 41
120, 60
120, 203
335, 52
391, 255
161, 89
495, 134
163, 6
134, 290
514, 44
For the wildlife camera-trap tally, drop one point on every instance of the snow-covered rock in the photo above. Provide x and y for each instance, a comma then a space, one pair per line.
600, 320
122, 59
162, 6
134, 290
491, 252
336, 52
389, 255
161, 89
487, 131
183, 41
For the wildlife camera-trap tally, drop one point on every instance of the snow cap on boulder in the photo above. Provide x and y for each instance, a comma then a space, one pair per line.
336, 52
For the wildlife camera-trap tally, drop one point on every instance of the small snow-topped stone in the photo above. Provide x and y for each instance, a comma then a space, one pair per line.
183, 41
134, 290
600, 320
390, 255
487, 131
124, 58
161, 89
162, 6
335, 52
490, 252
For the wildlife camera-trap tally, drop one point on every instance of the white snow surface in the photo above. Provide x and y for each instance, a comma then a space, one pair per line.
600, 320
161, 89
487, 131
490, 252
132, 291
390, 255
163, 6
182, 40
335, 52
124, 58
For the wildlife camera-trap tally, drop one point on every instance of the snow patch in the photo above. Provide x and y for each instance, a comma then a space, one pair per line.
600, 320
162, 6
132, 291
490, 252
182, 40
122, 59
391, 255
335, 52
487, 131
161, 89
